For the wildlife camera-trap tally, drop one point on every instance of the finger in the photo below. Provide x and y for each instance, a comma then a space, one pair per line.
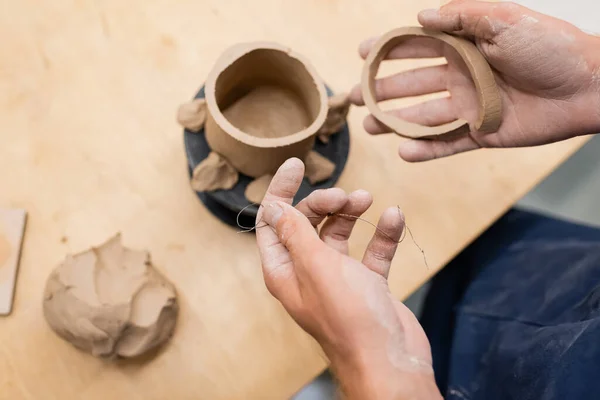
285, 182
429, 113
474, 18
337, 229
276, 262
418, 47
322, 202
404, 84
425, 150
380, 251
294, 231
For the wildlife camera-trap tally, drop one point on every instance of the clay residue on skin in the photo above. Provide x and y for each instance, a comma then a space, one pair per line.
567, 36
318, 168
214, 173
400, 358
256, 190
111, 302
566, 70
529, 18
495, 25
192, 115
377, 298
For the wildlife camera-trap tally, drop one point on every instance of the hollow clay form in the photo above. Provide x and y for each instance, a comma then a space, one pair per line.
111, 302
264, 104
490, 102
214, 173
192, 115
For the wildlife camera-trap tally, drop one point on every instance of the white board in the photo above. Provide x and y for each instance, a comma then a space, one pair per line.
12, 228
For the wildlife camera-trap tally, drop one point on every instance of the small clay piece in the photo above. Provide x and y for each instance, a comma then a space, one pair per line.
317, 168
339, 105
12, 228
214, 173
265, 104
192, 115
490, 110
111, 302
256, 190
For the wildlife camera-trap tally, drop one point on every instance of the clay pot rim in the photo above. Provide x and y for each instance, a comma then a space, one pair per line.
233, 54
490, 102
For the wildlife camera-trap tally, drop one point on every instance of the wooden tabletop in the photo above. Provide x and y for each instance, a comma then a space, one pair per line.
89, 146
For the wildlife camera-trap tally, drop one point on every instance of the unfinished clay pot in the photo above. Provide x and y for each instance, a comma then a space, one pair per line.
260, 105
265, 104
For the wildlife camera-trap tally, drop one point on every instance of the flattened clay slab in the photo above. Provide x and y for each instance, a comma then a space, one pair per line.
214, 173
490, 102
12, 228
317, 168
192, 115
256, 190
339, 105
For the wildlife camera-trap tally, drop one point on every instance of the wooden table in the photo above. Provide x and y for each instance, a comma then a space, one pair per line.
89, 146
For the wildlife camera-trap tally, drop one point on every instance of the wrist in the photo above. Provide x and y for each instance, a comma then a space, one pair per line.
593, 92
376, 378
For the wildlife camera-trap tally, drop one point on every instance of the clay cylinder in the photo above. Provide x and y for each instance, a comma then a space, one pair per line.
265, 104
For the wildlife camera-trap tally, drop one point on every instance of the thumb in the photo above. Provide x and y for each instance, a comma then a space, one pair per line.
480, 19
293, 229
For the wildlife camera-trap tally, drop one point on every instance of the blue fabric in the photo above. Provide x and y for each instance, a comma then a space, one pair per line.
517, 314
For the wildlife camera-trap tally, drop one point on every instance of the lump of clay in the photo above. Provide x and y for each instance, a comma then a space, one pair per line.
111, 302
339, 105
192, 115
256, 190
318, 168
214, 173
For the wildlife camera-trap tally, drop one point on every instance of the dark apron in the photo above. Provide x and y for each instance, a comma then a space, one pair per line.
517, 314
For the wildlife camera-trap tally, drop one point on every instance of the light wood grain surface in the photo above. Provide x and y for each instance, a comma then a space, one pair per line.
89, 146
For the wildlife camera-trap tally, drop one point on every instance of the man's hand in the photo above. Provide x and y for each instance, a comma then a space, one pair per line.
547, 70
375, 344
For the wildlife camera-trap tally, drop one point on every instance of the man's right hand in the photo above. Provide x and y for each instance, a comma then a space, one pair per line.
375, 344
547, 70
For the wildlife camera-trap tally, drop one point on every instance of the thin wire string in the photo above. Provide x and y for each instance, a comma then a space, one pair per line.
247, 229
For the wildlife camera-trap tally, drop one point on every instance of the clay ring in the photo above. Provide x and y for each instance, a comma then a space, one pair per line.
490, 102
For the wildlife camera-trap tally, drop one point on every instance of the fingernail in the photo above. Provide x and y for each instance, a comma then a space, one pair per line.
429, 14
272, 213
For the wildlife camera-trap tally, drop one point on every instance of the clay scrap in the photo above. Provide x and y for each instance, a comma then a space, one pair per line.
490, 109
192, 115
12, 229
256, 190
111, 302
264, 105
214, 173
339, 106
317, 168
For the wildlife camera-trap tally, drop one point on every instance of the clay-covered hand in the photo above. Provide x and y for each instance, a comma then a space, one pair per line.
547, 70
375, 344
